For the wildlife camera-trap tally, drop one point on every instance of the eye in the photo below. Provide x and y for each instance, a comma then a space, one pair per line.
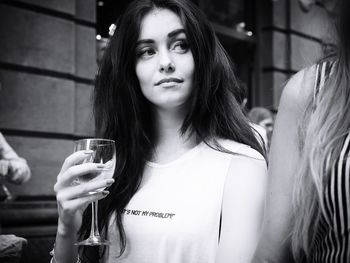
145, 52
181, 46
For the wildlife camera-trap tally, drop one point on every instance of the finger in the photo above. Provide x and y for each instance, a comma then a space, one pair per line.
67, 178
18, 169
74, 158
16, 178
78, 191
72, 206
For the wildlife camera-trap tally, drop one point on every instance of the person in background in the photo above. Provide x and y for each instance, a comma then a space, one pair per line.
263, 120
189, 182
308, 206
12, 167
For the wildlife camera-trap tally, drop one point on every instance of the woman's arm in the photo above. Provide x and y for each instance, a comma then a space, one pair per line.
283, 162
72, 200
242, 208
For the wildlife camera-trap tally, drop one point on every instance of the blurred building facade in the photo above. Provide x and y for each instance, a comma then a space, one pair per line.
47, 69
289, 39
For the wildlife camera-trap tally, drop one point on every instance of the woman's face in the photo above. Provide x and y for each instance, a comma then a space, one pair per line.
164, 63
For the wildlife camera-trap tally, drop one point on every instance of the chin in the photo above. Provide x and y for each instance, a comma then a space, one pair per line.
170, 101
173, 106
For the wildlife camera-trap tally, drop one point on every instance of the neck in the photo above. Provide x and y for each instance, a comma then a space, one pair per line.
170, 144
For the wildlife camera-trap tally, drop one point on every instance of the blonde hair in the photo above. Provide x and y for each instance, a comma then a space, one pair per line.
321, 134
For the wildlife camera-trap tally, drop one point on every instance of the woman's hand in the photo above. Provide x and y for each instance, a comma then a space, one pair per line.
73, 198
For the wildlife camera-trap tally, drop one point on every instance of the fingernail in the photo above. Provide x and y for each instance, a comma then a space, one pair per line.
88, 151
105, 192
110, 181
100, 166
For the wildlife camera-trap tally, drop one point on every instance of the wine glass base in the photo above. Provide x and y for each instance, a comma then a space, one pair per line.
93, 241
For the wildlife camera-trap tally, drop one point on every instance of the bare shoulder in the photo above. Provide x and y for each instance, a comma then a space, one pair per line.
240, 149
296, 93
247, 177
248, 164
246, 152
242, 153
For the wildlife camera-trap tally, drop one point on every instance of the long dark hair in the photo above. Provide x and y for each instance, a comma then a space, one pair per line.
322, 133
123, 114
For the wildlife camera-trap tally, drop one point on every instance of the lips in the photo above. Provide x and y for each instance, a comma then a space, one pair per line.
169, 80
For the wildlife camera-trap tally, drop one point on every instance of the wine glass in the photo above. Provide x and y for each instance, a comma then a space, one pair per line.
4, 170
103, 152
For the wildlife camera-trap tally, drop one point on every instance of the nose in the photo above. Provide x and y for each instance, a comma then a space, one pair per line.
166, 65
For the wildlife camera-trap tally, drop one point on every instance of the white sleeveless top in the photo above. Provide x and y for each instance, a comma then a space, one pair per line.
174, 217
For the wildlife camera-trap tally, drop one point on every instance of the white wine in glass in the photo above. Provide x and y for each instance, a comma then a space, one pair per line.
103, 152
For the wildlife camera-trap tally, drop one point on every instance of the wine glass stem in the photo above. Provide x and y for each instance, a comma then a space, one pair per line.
94, 220
9, 196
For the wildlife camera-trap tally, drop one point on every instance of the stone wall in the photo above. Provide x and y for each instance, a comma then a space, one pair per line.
289, 40
47, 69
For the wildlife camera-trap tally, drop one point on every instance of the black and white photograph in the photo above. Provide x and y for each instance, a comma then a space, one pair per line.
174, 131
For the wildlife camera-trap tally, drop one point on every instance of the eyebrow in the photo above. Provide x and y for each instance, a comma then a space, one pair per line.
170, 35
176, 32
144, 41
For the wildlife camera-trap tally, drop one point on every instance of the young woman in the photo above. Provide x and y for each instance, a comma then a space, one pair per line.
308, 208
190, 175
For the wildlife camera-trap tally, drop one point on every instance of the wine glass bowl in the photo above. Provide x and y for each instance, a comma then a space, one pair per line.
103, 152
